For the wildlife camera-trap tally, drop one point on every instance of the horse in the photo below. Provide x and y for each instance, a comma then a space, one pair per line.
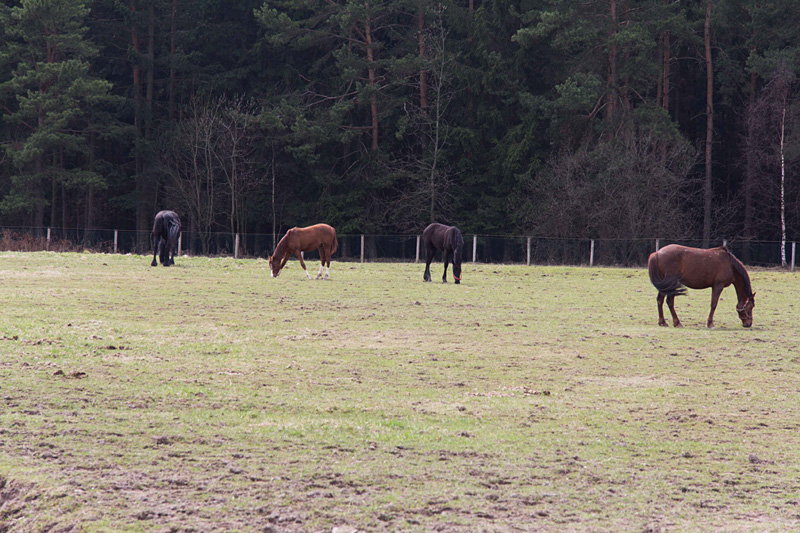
675, 267
166, 228
449, 240
317, 237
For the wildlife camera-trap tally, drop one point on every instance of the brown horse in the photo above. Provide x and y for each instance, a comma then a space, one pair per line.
675, 267
317, 237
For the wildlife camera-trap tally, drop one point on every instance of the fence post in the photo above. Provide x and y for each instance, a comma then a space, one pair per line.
724, 242
474, 248
116, 239
236, 247
793, 249
180, 235
48, 238
657, 245
591, 254
417, 259
529, 251
362, 247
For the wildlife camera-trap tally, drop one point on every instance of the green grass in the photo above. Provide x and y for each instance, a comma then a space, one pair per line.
210, 397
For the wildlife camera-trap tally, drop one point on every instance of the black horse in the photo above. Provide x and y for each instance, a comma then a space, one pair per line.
166, 228
448, 239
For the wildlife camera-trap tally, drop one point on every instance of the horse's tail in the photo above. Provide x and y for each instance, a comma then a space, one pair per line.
174, 230
668, 285
335, 245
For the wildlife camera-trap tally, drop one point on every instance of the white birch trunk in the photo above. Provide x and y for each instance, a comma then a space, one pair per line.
783, 185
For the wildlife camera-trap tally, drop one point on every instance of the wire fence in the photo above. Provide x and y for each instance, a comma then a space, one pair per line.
528, 250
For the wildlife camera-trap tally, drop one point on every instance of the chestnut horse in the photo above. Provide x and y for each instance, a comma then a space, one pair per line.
317, 237
449, 240
166, 228
675, 267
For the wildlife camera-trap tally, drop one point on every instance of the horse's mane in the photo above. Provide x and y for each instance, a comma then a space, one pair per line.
738, 267
457, 241
281, 245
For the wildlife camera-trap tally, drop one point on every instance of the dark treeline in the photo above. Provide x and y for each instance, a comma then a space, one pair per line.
561, 118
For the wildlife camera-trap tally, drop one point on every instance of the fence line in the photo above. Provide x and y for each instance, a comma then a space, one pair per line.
521, 249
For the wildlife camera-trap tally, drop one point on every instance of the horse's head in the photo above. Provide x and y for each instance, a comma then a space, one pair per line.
746, 310
457, 272
274, 266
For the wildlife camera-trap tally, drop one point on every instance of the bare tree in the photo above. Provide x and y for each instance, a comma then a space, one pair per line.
425, 181
769, 147
234, 146
709, 125
190, 156
599, 190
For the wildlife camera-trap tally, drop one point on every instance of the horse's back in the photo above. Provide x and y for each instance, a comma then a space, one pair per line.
311, 237
435, 233
164, 220
698, 268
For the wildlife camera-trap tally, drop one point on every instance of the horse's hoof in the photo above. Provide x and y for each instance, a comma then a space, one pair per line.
457, 282
663, 324
678, 325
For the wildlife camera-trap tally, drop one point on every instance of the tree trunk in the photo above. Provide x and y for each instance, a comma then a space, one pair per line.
783, 184
751, 162
423, 78
142, 214
667, 60
373, 97
172, 29
709, 127
151, 32
611, 98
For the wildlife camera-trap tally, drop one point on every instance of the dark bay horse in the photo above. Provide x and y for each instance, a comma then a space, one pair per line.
166, 228
675, 267
317, 237
449, 240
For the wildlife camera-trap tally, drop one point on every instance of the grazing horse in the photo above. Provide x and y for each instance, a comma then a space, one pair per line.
166, 228
317, 237
448, 239
675, 267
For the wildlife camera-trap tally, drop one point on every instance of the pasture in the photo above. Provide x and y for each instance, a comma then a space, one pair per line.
209, 397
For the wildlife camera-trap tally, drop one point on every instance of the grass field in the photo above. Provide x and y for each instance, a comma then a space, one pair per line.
209, 397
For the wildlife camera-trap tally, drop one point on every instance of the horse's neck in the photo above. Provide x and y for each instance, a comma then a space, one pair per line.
740, 284
281, 249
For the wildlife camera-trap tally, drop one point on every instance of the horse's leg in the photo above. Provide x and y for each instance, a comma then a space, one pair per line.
429, 253
326, 261
716, 290
660, 300
155, 252
675, 320
321, 260
446, 260
302, 263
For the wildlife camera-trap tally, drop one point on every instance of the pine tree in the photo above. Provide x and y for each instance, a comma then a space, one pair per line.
56, 97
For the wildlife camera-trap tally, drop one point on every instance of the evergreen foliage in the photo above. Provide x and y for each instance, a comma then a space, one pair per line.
553, 117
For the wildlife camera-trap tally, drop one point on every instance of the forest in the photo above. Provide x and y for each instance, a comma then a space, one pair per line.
560, 118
